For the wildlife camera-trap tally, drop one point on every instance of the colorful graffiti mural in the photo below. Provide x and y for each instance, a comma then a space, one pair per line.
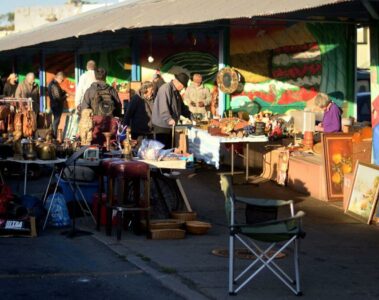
284, 66
175, 52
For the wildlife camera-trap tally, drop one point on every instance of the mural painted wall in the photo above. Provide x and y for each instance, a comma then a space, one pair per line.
285, 66
184, 51
118, 65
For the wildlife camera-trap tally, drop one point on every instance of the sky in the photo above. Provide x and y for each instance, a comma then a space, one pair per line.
11, 5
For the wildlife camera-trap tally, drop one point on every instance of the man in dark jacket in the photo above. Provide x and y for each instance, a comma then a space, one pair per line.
168, 107
57, 98
138, 115
102, 98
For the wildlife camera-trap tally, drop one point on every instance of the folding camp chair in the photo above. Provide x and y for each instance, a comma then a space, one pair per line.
279, 233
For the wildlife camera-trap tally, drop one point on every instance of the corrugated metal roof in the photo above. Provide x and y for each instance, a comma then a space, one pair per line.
156, 13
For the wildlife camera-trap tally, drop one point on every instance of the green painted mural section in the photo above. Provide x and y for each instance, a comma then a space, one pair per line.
336, 42
112, 61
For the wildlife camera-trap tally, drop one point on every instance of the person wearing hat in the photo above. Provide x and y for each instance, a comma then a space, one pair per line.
168, 107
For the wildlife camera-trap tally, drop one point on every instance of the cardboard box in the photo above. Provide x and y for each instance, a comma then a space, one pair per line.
307, 175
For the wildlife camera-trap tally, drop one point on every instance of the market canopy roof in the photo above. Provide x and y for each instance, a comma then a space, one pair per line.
136, 14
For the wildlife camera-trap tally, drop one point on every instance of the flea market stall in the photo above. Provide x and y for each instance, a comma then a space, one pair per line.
262, 77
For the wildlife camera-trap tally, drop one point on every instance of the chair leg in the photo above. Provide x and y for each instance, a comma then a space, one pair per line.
110, 199
297, 271
119, 224
99, 203
231, 265
108, 224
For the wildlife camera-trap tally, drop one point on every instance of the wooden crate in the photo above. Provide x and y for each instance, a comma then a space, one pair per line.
167, 234
22, 228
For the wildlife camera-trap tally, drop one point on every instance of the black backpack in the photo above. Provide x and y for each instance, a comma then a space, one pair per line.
103, 104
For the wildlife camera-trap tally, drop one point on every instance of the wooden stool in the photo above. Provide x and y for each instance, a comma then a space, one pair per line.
102, 171
135, 172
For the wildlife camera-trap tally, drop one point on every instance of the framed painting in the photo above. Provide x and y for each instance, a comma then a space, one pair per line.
338, 151
364, 192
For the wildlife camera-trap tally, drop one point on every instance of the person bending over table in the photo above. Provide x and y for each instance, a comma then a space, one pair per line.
331, 121
167, 109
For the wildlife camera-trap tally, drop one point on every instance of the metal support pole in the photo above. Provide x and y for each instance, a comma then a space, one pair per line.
136, 65
247, 161
232, 159
25, 177
42, 82
223, 57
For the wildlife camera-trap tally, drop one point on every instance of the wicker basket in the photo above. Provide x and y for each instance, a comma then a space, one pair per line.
164, 224
197, 227
167, 234
184, 215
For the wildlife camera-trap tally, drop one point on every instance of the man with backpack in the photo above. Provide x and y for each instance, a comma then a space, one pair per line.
105, 104
101, 97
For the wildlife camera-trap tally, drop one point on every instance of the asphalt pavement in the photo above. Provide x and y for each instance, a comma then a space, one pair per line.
52, 266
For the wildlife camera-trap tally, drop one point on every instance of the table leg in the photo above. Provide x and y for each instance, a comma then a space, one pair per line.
52, 199
2, 178
48, 185
85, 203
232, 160
184, 195
25, 178
247, 161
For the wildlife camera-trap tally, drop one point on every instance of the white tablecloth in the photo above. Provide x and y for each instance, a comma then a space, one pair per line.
207, 147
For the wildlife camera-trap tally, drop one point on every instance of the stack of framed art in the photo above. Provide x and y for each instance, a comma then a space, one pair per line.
364, 193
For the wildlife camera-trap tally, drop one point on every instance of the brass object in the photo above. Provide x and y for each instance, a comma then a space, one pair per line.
127, 152
107, 140
29, 152
49, 137
60, 136
46, 151
17, 149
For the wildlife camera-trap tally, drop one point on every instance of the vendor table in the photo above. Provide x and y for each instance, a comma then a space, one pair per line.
74, 186
173, 165
207, 147
37, 162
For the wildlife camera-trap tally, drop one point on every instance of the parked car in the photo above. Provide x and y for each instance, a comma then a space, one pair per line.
363, 96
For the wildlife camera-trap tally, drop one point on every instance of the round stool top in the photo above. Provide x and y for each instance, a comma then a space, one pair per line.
130, 169
106, 165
